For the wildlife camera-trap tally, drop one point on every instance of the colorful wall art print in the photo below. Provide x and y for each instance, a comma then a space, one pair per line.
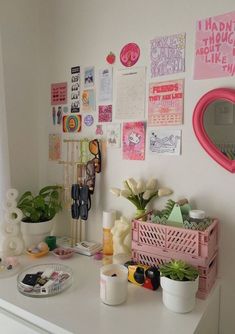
58, 93
88, 100
166, 103
54, 147
105, 114
114, 135
89, 76
167, 55
133, 140
215, 47
72, 123
167, 142
129, 54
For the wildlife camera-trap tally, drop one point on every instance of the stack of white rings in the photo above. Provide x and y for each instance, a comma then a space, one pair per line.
13, 243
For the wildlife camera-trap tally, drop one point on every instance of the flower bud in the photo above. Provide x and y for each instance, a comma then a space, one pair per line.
151, 184
125, 193
140, 187
164, 192
133, 185
147, 194
115, 191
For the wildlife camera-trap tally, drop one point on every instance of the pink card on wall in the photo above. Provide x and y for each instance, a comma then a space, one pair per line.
133, 137
105, 113
59, 93
215, 47
166, 103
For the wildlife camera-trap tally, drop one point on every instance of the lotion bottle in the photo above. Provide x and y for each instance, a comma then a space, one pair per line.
108, 222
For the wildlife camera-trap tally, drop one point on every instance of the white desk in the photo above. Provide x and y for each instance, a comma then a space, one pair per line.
79, 309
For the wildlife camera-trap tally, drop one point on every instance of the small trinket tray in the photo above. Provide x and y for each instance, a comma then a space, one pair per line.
37, 251
9, 266
63, 253
44, 280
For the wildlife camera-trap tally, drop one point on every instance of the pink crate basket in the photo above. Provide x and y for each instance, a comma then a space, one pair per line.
196, 247
207, 275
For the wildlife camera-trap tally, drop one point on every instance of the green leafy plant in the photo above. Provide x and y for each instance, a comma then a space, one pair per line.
42, 207
178, 270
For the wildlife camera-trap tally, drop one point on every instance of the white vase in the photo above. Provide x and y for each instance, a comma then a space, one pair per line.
33, 233
179, 296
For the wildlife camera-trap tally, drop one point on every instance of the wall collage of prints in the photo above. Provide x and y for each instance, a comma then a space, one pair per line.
76, 104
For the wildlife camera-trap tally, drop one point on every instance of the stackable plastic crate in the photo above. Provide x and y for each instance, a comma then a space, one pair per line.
154, 244
175, 242
207, 274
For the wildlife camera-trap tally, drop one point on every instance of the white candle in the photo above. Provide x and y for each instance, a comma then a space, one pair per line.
113, 284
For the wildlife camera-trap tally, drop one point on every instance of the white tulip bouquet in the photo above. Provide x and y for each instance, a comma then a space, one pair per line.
140, 193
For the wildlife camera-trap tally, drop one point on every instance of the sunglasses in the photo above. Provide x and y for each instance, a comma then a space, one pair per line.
90, 176
94, 148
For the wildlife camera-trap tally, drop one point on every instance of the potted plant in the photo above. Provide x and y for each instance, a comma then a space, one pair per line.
39, 211
179, 282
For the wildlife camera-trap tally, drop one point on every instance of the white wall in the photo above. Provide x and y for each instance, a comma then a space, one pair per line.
19, 29
82, 33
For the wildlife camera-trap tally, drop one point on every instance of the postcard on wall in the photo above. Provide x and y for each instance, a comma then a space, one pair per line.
164, 141
215, 47
75, 89
55, 143
133, 140
105, 113
88, 100
72, 123
114, 135
89, 77
58, 93
167, 55
105, 85
130, 97
166, 103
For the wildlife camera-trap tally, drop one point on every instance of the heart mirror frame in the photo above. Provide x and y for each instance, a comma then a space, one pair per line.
226, 94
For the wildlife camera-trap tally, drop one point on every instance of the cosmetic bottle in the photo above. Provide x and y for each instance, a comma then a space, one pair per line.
108, 222
196, 216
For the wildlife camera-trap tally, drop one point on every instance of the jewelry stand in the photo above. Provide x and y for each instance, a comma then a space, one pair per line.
74, 172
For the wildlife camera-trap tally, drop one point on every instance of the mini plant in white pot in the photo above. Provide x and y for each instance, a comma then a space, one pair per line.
39, 211
179, 282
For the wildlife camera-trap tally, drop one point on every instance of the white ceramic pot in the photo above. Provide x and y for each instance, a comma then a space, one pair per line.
33, 233
179, 296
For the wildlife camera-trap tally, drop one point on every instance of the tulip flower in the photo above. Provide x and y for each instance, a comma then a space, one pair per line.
140, 193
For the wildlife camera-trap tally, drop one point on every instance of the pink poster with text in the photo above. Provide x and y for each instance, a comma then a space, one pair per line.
133, 137
166, 103
215, 47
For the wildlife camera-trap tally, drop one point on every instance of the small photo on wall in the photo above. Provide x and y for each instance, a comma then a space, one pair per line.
114, 135
88, 100
165, 142
133, 137
89, 77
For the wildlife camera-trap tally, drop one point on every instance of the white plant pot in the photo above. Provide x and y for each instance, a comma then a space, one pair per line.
179, 296
33, 233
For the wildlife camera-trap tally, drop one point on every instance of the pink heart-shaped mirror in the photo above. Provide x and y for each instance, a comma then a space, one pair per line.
214, 125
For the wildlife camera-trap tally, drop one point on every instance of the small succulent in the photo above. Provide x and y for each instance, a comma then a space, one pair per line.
178, 270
